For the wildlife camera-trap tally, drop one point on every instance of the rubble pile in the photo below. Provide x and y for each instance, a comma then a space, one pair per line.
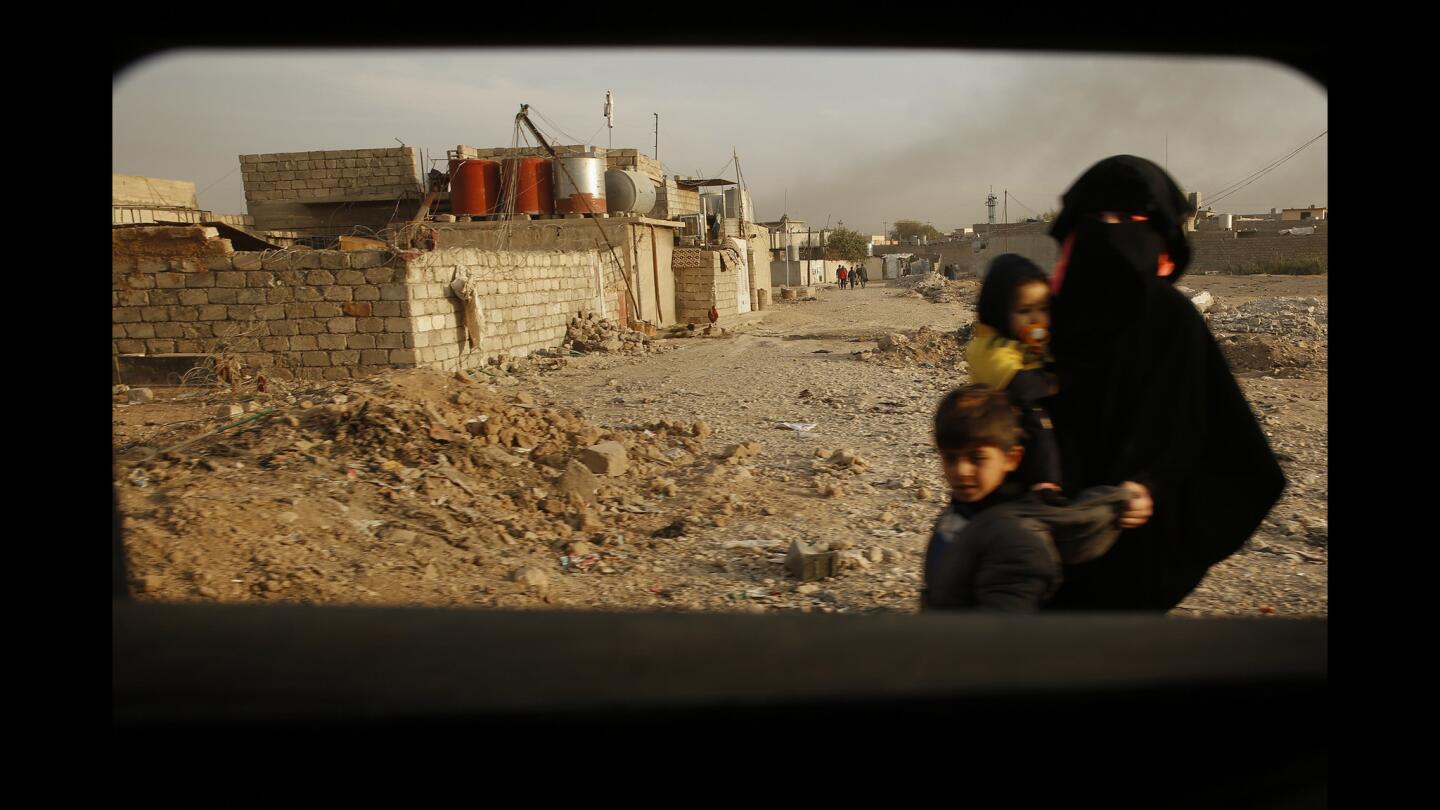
1281, 357
927, 348
588, 333
1291, 317
1280, 336
413, 486
934, 288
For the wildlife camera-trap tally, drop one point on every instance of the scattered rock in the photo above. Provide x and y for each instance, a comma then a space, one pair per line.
532, 576
924, 494
606, 458
578, 481
700, 429
138, 395
741, 451
893, 341
149, 583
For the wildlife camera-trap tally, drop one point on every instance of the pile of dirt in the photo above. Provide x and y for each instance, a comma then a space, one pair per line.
1284, 337
934, 288
1292, 317
588, 333
926, 348
1273, 355
412, 487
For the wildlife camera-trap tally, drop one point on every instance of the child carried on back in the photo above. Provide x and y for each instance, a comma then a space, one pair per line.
1008, 352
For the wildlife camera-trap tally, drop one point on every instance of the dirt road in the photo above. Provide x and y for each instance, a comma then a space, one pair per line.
795, 363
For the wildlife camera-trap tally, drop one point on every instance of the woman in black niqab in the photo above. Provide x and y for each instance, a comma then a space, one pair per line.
1145, 394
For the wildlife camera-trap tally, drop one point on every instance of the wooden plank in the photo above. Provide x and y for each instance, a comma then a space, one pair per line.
362, 243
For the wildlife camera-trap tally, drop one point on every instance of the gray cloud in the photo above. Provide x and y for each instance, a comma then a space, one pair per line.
858, 135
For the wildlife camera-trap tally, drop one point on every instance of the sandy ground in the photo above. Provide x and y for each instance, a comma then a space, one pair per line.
328, 523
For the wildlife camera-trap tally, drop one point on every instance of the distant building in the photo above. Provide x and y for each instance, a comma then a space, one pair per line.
1296, 214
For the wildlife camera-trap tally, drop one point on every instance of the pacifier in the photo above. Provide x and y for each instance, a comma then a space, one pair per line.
1036, 335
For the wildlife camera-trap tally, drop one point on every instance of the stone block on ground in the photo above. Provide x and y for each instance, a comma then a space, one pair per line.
807, 564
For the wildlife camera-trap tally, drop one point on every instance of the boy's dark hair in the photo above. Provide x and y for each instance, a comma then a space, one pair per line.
1007, 273
976, 415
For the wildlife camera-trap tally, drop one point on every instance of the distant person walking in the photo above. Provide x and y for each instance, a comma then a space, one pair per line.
841, 274
864, 275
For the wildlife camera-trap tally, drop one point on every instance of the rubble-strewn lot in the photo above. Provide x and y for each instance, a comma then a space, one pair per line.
676, 480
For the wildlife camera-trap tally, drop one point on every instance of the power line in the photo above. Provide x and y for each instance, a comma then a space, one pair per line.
1245, 181
1023, 205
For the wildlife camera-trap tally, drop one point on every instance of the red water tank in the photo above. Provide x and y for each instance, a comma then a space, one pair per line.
529, 182
474, 187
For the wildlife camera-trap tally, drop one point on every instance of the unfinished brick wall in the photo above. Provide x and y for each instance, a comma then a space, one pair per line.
527, 299
337, 176
671, 201
700, 282
334, 314
316, 314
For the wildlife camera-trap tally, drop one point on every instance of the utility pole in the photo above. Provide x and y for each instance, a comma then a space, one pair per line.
657, 136
1007, 220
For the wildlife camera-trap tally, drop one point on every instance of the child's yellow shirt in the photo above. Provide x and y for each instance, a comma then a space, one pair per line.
994, 359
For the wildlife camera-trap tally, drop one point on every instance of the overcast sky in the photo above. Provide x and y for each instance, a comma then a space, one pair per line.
862, 136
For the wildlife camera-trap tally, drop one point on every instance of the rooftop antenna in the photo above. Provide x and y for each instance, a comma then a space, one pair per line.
990, 201
610, 117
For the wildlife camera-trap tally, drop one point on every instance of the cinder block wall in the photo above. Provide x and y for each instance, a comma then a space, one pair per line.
527, 299
699, 283
334, 176
499, 152
1221, 251
336, 315
671, 201
315, 314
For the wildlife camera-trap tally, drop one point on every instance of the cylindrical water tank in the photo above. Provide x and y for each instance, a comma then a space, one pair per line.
628, 192
579, 185
1227, 222
733, 198
794, 253
526, 184
474, 187
713, 205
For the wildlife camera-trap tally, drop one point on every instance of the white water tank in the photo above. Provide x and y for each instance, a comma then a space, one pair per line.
733, 198
1227, 222
628, 192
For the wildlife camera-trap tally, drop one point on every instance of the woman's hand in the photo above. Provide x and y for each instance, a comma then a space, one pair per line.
1140, 507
